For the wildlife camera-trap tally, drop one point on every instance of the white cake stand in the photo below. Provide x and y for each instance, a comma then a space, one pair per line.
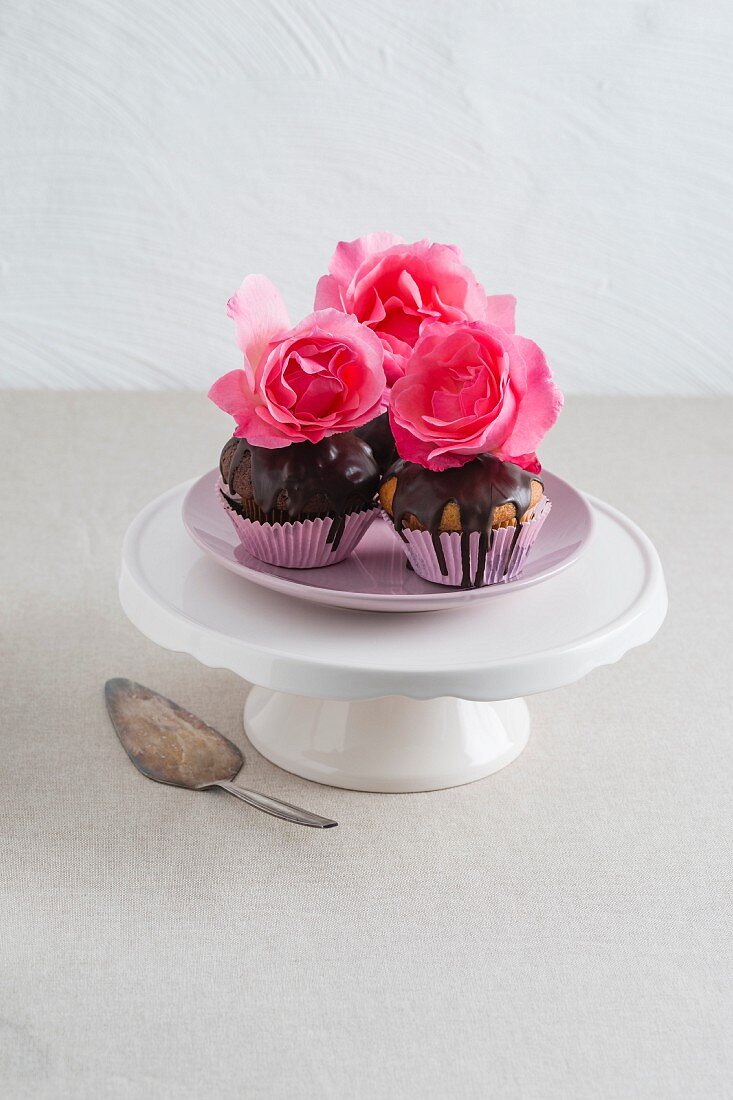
402, 702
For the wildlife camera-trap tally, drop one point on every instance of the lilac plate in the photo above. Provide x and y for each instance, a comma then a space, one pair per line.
375, 577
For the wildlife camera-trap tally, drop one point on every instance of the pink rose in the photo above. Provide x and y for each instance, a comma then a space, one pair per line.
472, 388
394, 288
324, 376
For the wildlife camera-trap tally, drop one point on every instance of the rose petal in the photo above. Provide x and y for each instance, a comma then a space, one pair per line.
530, 462
232, 393
540, 405
328, 295
259, 315
350, 254
500, 309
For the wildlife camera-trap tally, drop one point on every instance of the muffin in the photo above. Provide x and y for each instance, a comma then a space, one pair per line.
466, 526
302, 506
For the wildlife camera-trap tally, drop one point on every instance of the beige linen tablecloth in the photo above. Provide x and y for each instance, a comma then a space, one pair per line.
561, 929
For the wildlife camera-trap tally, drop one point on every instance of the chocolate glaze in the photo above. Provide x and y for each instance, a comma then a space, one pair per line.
340, 471
478, 489
378, 435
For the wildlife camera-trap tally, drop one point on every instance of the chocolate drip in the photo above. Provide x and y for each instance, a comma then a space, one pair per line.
377, 434
330, 478
483, 549
335, 532
239, 453
478, 489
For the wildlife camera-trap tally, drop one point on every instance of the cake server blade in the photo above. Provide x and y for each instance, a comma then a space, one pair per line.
170, 745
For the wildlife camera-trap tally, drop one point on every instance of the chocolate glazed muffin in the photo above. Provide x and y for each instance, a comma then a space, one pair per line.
481, 497
304, 481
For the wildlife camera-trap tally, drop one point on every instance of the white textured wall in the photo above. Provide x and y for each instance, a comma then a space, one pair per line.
155, 152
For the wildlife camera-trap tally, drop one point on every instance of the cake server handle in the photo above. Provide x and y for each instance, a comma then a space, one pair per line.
274, 806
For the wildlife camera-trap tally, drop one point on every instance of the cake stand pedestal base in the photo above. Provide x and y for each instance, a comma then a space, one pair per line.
393, 744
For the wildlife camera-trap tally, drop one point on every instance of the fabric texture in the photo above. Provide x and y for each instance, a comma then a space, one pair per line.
561, 929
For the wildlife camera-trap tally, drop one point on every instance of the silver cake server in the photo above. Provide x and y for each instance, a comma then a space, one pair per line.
171, 745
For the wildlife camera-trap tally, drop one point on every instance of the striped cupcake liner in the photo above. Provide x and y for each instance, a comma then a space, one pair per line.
301, 544
504, 561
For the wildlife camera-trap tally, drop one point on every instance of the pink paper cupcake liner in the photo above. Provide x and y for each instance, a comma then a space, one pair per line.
303, 544
504, 560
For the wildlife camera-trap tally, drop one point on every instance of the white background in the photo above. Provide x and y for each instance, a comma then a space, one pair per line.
154, 153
